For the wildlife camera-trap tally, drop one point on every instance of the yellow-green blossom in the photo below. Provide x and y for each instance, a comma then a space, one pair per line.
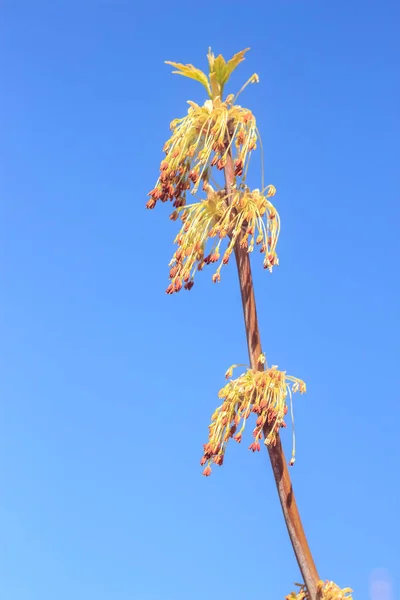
247, 217
326, 590
263, 393
201, 140
207, 135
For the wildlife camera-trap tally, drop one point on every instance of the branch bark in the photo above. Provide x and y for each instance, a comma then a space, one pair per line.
278, 461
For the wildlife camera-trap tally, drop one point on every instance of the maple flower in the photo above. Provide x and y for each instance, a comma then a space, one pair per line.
203, 139
326, 590
207, 135
249, 219
263, 393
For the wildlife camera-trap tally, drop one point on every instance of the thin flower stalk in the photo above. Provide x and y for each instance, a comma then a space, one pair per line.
262, 393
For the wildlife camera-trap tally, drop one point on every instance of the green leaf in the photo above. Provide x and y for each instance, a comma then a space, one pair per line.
220, 70
191, 72
234, 62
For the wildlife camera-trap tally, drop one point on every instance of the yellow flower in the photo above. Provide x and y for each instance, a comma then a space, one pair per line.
249, 218
209, 136
330, 591
199, 141
263, 393
326, 591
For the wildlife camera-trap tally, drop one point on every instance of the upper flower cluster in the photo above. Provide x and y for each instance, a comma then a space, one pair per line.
211, 136
201, 140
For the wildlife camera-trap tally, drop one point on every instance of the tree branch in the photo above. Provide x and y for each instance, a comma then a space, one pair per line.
276, 454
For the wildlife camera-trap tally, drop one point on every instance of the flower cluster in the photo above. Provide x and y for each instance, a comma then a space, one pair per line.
249, 219
327, 590
263, 393
204, 139
210, 136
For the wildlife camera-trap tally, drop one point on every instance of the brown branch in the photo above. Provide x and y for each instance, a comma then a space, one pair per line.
276, 454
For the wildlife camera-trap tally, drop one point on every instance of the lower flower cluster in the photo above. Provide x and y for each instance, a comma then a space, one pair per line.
327, 590
263, 393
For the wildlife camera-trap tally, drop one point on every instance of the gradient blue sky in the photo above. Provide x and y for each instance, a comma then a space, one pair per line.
107, 384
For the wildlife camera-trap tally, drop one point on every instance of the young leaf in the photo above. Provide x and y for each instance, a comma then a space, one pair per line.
220, 70
191, 72
234, 62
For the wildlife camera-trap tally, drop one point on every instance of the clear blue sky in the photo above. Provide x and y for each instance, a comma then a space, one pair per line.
107, 384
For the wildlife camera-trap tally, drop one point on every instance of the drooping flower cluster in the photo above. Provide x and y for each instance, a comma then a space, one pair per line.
248, 218
201, 140
326, 590
210, 136
263, 393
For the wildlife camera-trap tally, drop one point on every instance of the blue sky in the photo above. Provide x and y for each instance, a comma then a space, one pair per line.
107, 384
